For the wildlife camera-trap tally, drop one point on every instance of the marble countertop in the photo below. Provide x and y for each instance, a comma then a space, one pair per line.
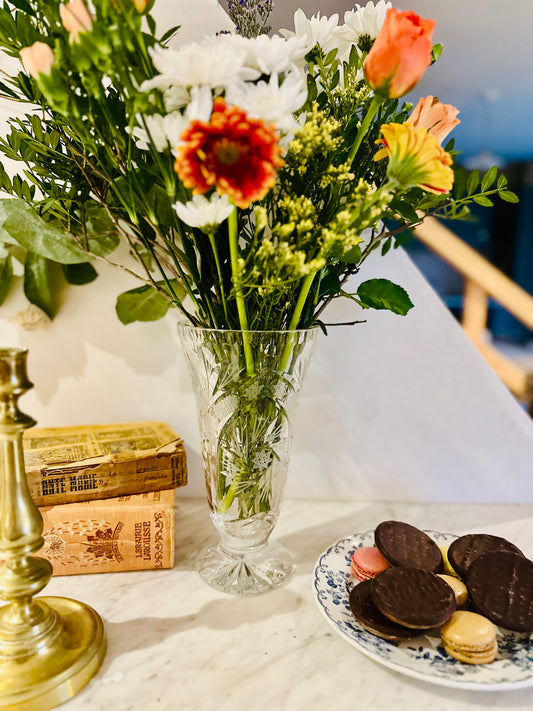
174, 643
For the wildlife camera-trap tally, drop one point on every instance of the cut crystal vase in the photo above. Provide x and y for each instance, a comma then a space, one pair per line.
242, 382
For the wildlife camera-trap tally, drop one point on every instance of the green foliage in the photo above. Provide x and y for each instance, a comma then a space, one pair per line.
86, 183
145, 303
37, 283
384, 294
6, 274
79, 274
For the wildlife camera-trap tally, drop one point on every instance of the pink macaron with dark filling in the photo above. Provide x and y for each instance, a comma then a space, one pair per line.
367, 562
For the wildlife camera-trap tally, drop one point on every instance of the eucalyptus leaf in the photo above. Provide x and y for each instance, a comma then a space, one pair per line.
79, 274
145, 303
6, 276
37, 283
384, 294
48, 240
38, 236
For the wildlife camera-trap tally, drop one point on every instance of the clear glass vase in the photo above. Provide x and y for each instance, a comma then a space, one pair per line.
242, 382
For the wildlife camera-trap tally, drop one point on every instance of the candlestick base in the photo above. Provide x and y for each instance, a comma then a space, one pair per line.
53, 658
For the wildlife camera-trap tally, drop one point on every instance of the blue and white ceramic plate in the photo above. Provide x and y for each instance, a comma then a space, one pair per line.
422, 657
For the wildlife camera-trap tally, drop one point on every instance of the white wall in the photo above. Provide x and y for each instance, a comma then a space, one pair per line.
397, 408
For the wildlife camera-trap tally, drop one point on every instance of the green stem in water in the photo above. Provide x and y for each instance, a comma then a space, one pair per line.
241, 306
365, 125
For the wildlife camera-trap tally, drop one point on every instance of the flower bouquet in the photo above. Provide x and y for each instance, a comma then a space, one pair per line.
250, 177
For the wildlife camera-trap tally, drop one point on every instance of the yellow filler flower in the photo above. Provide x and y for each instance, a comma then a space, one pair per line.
416, 159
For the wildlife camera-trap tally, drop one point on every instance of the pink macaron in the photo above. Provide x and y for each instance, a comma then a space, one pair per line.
367, 562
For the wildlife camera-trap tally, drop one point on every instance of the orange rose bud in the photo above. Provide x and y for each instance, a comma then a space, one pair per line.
143, 5
439, 119
400, 55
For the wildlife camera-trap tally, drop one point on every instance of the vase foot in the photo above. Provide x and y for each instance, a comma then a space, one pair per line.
249, 573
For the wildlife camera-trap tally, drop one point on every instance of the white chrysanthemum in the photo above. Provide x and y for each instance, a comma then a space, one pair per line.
269, 101
152, 131
202, 212
363, 21
176, 97
200, 105
271, 55
195, 64
317, 30
160, 131
163, 131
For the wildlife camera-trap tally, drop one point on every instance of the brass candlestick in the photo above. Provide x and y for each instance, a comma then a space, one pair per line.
50, 646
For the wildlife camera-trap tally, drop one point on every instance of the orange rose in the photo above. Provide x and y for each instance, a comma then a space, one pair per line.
439, 119
401, 53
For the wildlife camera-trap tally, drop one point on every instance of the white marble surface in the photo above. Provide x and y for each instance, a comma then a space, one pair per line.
175, 643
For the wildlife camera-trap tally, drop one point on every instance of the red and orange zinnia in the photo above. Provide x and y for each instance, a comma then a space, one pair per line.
235, 154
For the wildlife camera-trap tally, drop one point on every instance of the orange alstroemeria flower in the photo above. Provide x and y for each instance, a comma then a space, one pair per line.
439, 119
237, 155
400, 55
416, 158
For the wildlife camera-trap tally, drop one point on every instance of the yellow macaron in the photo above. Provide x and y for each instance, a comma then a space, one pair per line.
446, 565
459, 589
470, 638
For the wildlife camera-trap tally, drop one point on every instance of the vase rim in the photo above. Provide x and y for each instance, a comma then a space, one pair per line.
238, 330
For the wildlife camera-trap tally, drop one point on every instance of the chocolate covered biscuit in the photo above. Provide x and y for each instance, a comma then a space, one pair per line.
403, 544
413, 597
368, 615
501, 588
465, 549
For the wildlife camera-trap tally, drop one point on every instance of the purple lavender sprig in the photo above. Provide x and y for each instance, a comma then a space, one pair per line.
250, 16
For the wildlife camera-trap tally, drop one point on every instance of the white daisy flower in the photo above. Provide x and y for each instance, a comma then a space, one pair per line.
317, 30
271, 55
200, 106
160, 131
195, 64
202, 212
269, 101
362, 22
175, 97
153, 133
173, 125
